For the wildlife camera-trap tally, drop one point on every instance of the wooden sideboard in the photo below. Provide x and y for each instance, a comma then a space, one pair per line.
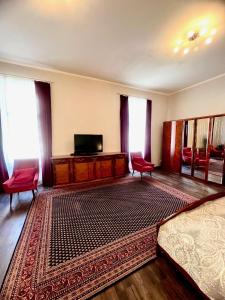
75, 169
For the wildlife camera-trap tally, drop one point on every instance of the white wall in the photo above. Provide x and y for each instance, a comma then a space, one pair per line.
81, 105
205, 99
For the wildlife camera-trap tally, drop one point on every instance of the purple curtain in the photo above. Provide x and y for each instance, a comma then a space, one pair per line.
43, 92
148, 154
124, 123
3, 170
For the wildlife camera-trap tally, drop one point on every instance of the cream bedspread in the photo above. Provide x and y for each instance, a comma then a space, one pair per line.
196, 241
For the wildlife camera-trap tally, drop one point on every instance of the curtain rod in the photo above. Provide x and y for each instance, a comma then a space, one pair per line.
146, 98
24, 77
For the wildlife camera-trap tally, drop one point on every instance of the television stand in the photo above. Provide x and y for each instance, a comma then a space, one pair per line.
73, 169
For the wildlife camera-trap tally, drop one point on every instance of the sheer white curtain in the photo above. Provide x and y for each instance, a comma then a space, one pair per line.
137, 124
19, 119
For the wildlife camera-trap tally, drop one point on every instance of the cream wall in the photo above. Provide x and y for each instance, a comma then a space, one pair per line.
205, 99
81, 105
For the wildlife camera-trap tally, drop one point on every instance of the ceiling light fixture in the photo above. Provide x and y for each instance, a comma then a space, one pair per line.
194, 38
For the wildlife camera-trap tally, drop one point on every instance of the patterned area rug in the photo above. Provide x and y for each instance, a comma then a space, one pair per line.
75, 243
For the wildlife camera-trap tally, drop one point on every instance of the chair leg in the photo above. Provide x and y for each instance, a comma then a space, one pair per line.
150, 173
141, 175
33, 193
133, 173
11, 197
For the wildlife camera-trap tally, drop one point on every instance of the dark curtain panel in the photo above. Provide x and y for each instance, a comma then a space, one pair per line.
124, 123
185, 133
148, 131
3, 170
43, 93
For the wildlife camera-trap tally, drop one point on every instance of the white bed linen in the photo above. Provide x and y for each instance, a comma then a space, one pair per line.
196, 241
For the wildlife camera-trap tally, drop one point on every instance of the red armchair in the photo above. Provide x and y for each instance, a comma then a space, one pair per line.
139, 164
199, 157
187, 155
217, 152
24, 177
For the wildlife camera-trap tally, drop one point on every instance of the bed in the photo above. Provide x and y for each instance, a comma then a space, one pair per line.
194, 240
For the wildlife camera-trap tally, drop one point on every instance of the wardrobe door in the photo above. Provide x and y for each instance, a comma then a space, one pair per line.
177, 145
187, 147
172, 144
166, 146
216, 151
200, 159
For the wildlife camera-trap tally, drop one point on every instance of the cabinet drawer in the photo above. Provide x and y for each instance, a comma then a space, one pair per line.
104, 168
61, 173
84, 171
120, 166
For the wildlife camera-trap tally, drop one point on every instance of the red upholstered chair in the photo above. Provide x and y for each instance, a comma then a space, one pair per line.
201, 159
139, 164
187, 155
24, 177
217, 152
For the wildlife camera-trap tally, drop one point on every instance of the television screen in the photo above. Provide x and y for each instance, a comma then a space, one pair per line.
88, 143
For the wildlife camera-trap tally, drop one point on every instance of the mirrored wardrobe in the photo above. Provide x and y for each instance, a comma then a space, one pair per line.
216, 150
195, 147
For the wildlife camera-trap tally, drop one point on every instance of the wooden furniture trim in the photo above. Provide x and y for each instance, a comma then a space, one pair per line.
193, 148
209, 142
161, 251
202, 117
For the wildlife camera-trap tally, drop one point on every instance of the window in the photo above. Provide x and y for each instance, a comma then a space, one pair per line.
137, 124
19, 120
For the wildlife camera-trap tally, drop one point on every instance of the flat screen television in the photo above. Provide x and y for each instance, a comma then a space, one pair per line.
87, 144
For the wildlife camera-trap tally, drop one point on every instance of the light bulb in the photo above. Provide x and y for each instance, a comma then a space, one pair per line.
208, 41
179, 42
213, 31
186, 50
203, 31
190, 34
204, 22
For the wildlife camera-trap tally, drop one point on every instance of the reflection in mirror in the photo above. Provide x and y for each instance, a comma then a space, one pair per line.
188, 135
216, 149
200, 152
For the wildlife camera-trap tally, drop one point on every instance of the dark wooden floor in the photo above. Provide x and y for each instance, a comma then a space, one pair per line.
157, 280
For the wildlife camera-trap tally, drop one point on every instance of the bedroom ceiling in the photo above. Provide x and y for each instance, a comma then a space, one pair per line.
128, 41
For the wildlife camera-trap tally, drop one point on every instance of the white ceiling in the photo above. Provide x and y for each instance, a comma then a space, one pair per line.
126, 41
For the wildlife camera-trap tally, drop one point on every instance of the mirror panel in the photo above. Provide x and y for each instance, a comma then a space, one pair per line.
187, 147
216, 150
200, 163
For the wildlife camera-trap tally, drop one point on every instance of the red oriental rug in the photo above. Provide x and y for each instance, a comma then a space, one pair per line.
75, 243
